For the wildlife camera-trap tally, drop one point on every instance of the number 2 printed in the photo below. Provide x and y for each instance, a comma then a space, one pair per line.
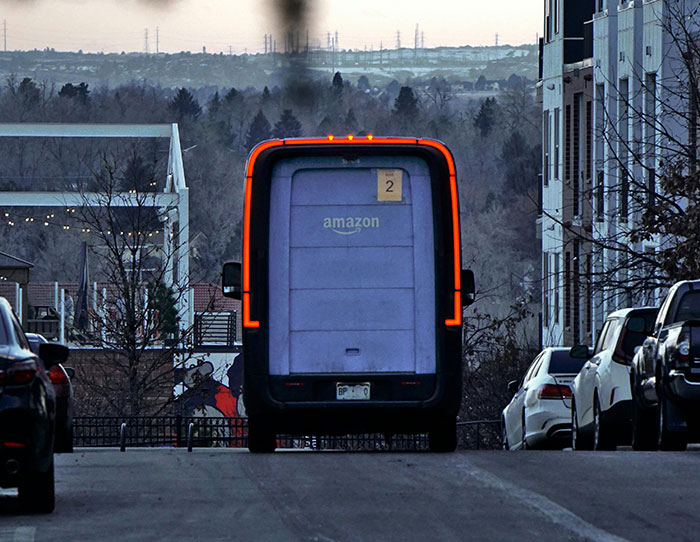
389, 185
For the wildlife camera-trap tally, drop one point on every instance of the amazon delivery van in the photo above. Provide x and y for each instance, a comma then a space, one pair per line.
352, 289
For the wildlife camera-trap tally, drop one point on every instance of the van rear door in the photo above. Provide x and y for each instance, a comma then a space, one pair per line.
351, 266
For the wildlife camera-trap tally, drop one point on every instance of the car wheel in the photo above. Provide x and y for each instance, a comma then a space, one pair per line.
261, 439
579, 441
644, 428
64, 442
504, 435
602, 439
669, 440
36, 492
442, 436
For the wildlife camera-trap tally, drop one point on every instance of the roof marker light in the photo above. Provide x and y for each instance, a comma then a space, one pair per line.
370, 137
330, 137
350, 137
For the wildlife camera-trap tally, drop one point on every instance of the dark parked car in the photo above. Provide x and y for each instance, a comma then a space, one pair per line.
665, 374
60, 377
27, 414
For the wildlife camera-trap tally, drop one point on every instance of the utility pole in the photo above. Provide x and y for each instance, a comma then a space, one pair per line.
336, 40
496, 39
422, 40
145, 40
157, 40
4, 34
265, 43
398, 39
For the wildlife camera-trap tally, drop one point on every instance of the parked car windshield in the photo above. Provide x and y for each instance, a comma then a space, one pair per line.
562, 363
637, 328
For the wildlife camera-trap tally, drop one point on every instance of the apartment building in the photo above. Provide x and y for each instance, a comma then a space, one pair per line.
603, 66
566, 91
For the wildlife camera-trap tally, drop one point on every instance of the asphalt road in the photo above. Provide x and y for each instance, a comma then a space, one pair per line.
329, 496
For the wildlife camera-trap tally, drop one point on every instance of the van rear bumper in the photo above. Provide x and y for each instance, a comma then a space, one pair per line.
306, 404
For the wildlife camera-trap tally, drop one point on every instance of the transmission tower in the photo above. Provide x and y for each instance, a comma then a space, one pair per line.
145, 40
398, 39
4, 35
157, 40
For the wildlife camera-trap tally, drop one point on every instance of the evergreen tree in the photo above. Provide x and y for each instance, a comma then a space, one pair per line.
337, 83
79, 92
265, 95
231, 95
487, 117
351, 122
287, 126
363, 83
184, 105
28, 93
214, 104
406, 104
258, 131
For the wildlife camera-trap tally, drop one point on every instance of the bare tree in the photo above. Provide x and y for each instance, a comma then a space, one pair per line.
137, 324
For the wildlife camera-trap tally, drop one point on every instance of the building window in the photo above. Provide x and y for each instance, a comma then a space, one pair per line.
577, 291
556, 16
546, 144
555, 256
567, 290
556, 143
651, 186
600, 196
650, 134
567, 142
578, 98
545, 293
589, 138
622, 153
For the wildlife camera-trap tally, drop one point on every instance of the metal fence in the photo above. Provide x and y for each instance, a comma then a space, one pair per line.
195, 431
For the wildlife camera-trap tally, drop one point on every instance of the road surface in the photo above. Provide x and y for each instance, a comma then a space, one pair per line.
216, 494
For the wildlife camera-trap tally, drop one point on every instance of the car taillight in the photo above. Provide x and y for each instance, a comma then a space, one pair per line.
683, 349
57, 376
553, 391
17, 374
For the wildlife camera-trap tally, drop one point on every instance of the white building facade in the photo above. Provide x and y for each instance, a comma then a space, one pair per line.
605, 66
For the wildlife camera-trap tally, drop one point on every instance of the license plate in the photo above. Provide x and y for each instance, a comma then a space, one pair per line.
352, 392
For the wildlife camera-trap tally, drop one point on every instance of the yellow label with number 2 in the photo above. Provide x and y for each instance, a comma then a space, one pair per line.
389, 184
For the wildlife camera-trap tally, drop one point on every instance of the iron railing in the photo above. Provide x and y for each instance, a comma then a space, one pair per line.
196, 431
211, 328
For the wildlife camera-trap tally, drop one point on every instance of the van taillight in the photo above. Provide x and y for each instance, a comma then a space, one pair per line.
552, 391
57, 376
17, 374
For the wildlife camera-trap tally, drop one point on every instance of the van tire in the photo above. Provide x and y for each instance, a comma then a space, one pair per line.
442, 436
261, 439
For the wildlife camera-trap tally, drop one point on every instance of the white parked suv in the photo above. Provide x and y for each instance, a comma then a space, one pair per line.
601, 413
539, 414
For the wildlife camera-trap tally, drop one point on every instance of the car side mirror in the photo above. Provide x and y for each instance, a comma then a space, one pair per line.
53, 353
513, 386
580, 351
468, 287
231, 280
647, 344
69, 371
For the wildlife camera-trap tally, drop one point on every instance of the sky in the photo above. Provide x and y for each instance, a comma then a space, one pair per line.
239, 26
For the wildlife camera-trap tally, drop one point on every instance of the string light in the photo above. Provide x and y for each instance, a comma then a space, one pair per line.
13, 220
